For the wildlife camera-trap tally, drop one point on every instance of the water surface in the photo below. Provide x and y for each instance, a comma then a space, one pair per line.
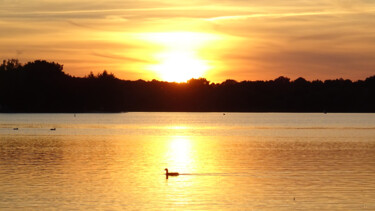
236, 161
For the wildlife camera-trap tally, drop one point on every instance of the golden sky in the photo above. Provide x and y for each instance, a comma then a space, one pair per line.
177, 40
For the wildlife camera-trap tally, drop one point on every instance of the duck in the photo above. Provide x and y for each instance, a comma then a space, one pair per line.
53, 128
170, 173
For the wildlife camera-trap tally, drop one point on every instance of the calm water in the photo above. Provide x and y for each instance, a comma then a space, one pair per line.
236, 161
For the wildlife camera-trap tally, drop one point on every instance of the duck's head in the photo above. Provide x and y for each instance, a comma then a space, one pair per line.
166, 169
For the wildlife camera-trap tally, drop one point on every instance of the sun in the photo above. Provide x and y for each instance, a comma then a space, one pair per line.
179, 58
179, 66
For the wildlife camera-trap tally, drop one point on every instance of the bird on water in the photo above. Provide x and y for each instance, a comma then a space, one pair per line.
170, 173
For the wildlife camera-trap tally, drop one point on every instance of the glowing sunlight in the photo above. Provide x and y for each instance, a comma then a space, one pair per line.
179, 58
179, 154
179, 66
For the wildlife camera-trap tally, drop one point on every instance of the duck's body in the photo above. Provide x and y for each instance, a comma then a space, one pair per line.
173, 173
170, 173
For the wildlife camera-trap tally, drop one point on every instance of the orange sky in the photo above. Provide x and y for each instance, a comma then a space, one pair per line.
174, 41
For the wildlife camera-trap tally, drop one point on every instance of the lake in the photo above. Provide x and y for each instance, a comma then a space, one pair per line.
226, 161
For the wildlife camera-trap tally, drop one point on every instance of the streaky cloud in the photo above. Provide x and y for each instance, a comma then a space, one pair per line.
120, 57
116, 10
281, 15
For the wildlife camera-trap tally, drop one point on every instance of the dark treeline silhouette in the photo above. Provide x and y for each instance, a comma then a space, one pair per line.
42, 86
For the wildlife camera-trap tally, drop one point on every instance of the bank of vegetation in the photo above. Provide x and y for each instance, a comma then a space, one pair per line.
42, 86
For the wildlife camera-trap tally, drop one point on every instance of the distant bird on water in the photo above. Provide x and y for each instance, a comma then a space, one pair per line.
53, 128
170, 173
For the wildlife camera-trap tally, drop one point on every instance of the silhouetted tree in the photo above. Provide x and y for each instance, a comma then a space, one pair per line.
10, 65
44, 68
42, 86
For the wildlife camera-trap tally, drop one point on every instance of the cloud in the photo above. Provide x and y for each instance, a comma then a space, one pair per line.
283, 15
121, 58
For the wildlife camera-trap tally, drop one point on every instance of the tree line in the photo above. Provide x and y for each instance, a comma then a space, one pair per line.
42, 86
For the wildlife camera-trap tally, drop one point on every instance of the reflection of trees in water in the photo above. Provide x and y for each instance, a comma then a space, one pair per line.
42, 86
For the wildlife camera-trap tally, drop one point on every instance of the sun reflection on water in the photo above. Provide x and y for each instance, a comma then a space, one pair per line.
179, 155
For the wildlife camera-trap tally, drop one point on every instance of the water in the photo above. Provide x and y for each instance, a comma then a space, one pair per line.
236, 161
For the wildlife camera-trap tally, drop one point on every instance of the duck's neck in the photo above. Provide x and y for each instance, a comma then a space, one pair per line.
166, 171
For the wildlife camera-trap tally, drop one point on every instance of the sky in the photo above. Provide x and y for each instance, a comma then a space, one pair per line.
177, 40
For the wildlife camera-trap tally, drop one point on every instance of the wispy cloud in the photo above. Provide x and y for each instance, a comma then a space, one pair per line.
281, 15
121, 57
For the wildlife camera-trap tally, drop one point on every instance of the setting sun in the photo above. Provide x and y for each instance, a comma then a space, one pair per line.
179, 58
179, 66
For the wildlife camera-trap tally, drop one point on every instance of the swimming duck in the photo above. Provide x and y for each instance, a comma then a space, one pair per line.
170, 173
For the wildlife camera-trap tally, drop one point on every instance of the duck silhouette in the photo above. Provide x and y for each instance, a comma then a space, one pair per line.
170, 173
